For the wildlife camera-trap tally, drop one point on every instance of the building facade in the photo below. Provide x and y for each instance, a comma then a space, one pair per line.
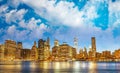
2, 47
43, 49
34, 52
18, 50
10, 50
26, 54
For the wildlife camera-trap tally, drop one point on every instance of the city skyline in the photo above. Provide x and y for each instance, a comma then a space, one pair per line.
14, 51
28, 21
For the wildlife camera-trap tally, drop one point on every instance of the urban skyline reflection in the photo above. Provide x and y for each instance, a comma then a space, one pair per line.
58, 67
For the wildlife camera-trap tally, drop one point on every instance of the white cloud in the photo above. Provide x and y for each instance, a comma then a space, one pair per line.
3, 8
114, 13
35, 27
14, 3
63, 13
15, 15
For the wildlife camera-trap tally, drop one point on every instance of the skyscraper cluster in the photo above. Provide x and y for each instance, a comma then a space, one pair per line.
12, 51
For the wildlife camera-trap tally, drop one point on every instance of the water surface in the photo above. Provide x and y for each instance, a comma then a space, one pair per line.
61, 67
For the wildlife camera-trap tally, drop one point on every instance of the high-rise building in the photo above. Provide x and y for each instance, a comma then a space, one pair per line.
26, 54
66, 52
93, 44
41, 44
18, 50
43, 49
55, 51
2, 47
10, 50
93, 47
34, 53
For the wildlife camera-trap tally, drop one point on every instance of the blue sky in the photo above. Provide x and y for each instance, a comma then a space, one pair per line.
28, 21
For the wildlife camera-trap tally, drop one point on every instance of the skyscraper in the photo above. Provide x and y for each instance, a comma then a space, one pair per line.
18, 50
10, 49
93, 47
93, 44
2, 47
34, 54
43, 49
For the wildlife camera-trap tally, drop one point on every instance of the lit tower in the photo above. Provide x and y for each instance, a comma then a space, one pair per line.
93, 46
76, 43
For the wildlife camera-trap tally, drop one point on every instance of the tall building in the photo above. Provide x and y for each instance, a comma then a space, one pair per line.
43, 49
2, 47
41, 44
34, 54
26, 54
93, 47
18, 50
93, 44
66, 52
10, 50
55, 51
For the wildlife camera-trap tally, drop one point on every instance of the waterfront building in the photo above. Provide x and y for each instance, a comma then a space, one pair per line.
43, 49
93, 47
34, 52
10, 50
2, 47
65, 52
18, 50
116, 55
83, 54
26, 54
92, 51
74, 53
55, 51
98, 56
106, 56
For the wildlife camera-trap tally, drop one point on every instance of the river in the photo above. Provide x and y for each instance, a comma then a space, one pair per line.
61, 67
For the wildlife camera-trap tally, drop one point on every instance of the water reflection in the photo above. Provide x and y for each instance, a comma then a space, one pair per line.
61, 67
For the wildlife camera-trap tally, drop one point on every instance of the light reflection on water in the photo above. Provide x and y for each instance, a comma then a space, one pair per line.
61, 67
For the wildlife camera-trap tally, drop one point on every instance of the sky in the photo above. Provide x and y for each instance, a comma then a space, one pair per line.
30, 20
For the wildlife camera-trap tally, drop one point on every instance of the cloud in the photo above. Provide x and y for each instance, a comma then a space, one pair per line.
15, 15
35, 26
64, 12
14, 3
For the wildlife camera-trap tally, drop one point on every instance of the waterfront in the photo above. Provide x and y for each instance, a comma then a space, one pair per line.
61, 67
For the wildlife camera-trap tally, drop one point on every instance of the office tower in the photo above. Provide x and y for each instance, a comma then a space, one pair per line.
26, 54
43, 49
2, 47
55, 51
65, 52
18, 50
93, 47
10, 49
34, 52
93, 44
